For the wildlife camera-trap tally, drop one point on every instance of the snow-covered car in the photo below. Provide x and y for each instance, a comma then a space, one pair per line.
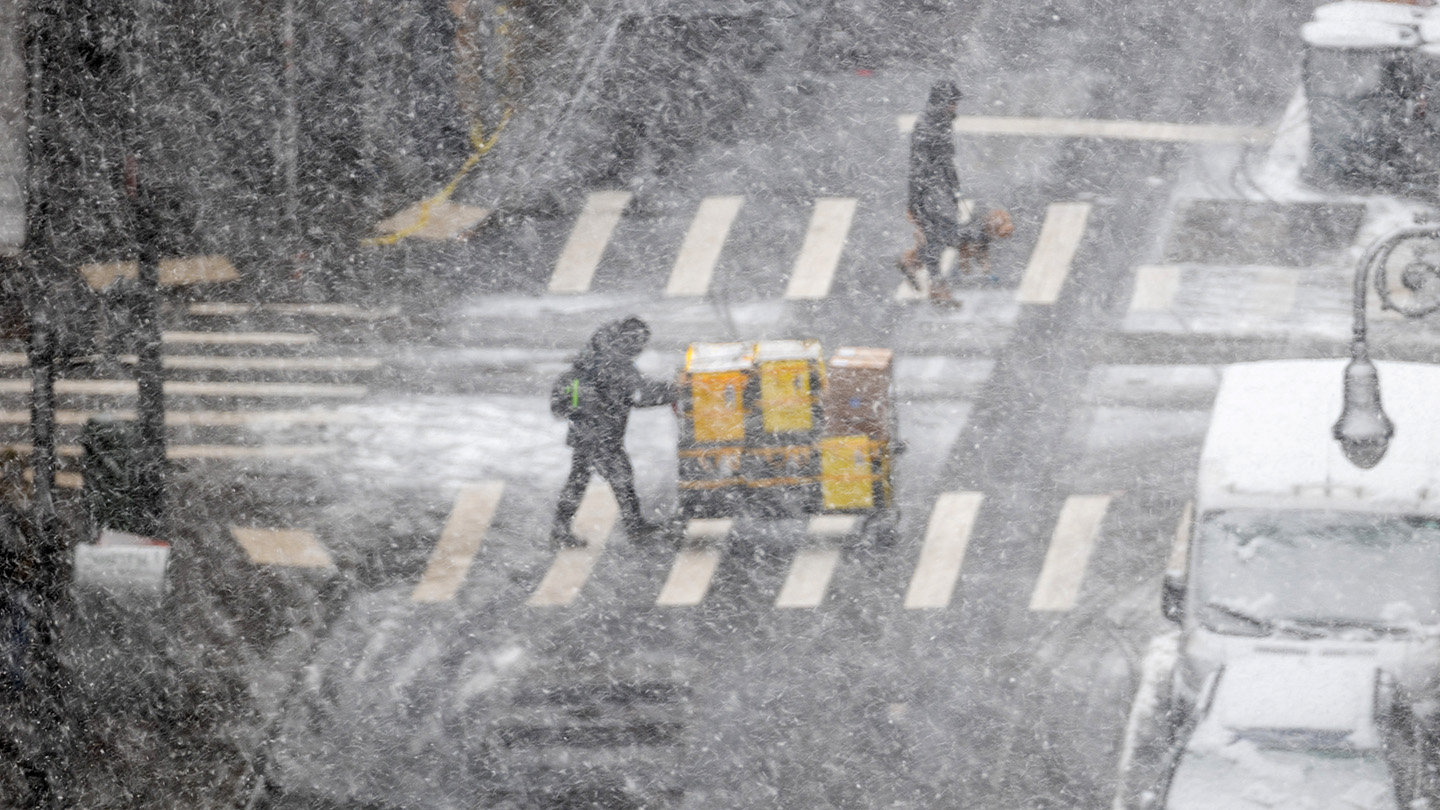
1316, 732
1293, 549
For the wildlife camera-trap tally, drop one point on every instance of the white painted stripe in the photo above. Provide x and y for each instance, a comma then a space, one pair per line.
809, 577
1271, 294
1096, 128
200, 418
122, 388
1060, 236
1120, 130
63, 480
295, 548
572, 566
200, 451
689, 578
171, 272
1069, 553
952, 520
700, 252
832, 526
1155, 288
342, 311
814, 269
470, 518
699, 530
345, 311
221, 308
208, 362
581, 255
238, 338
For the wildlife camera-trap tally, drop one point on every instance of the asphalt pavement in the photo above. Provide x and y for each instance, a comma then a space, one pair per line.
423, 647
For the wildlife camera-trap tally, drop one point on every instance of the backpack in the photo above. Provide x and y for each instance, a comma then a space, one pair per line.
565, 394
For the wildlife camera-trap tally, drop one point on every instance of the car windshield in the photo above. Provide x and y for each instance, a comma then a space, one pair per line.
1317, 572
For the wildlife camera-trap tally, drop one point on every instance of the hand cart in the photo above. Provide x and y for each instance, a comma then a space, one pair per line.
770, 430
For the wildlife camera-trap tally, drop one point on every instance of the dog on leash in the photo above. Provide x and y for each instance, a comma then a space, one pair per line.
972, 248
975, 239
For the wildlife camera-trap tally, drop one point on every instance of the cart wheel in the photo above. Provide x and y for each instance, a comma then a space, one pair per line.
882, 528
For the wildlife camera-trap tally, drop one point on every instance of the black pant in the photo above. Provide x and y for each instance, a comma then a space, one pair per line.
614, 466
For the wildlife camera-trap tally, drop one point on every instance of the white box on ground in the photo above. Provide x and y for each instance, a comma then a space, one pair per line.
120, 562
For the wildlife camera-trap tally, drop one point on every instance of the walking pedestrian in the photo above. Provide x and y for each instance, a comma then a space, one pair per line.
934, 190
596, 396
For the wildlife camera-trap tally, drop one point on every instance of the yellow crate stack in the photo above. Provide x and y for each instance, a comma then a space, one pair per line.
855, 452
714, 410
765, 431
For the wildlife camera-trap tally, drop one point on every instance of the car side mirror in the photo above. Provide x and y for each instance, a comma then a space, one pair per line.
1172, 597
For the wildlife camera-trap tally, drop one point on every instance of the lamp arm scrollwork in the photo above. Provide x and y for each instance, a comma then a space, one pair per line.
1416, 275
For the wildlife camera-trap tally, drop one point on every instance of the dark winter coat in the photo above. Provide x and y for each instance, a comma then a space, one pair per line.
934, 184
610, 385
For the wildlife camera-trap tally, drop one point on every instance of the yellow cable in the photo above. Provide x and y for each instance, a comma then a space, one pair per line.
481, 145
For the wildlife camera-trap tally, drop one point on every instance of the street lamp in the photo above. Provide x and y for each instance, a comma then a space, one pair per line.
1364, 430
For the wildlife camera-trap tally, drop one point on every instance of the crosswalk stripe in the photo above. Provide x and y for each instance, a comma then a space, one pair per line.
694, 567
63, 480
121, 388
199, 418
197, 451
581, 254
820, 253
1049, 264
172, 272
1156, 286
809, 577
1070, 545
238, 338
1097, 128
699, 253
832, 526
295, 548
206, 362
1271, 293
593, 523
201, 452
344, 311
952, 520
689, 578
470, 518
203, 362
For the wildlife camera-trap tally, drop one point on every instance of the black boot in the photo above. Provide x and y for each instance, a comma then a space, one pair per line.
562, 537
639, 529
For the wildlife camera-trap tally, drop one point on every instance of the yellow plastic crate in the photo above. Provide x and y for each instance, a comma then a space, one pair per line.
850, 468
715, 377
717, 406
788, 397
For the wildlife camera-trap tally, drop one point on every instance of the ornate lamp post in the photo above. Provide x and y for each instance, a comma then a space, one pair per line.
1364, 430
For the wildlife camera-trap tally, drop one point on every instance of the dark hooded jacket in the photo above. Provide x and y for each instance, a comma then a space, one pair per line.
610, 385
934, 184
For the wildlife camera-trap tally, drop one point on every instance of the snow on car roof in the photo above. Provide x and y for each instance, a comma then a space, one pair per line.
1372, 11
1358, 35
1270, 439
1299, 693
